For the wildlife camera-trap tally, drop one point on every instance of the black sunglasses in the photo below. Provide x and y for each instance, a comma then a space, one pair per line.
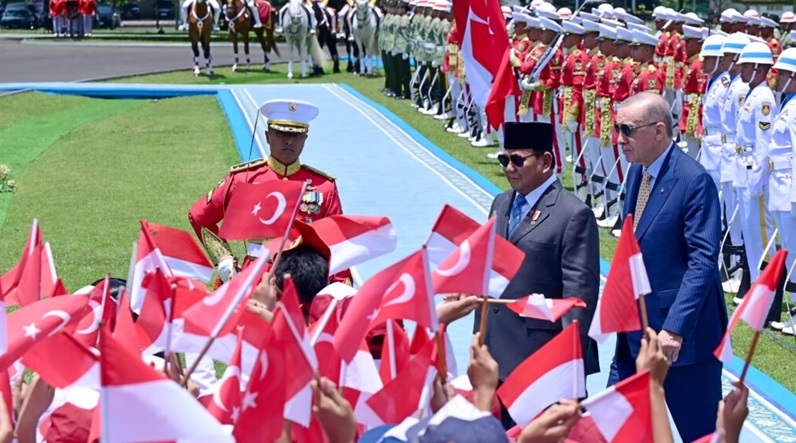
628, 130
516, 159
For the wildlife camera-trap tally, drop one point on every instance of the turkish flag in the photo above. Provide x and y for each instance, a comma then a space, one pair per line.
617, 309
226, 393
62, 361
401, 291
467, 269
261, 210
33, 323
103, 310
484, 43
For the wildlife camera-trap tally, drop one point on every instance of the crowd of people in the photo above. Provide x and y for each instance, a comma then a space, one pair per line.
73, 18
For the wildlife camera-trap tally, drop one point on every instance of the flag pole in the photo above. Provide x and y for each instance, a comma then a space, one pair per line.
105, 293
131, 270
167, 352
749, 356
498, 301
645, 323
441, 357
482, 329
391, 347
575, 367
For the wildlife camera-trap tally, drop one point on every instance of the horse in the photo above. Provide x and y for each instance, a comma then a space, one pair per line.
327, 33
200, 25
240, 22
298, 26
365, 24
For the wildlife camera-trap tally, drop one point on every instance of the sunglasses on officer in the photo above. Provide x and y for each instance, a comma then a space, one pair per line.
516, 159
628, 130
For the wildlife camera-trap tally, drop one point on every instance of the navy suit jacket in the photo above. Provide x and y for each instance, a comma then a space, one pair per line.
679, 234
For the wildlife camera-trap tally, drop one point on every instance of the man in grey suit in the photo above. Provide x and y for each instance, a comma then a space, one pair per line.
559, 236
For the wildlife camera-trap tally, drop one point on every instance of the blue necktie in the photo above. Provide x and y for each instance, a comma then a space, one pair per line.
516, 213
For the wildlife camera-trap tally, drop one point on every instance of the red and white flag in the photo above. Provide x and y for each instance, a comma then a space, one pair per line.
148, 257
504, 86
355, 239
263, 403
484, 43
226, 396
552, 373
394, 353
103, 309
219, 311
261, 210
617, 309
622, 412
402, 291
755, 305
63, 361
539, 307
467, 269
134, 396
182, 254
449, 232
33, 323
39, 281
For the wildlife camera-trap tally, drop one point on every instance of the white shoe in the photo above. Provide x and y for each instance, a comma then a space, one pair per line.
494, 155
616, 233
184, 27
737, 301
599, 212
464, 134
480, 143
455, 129
258, 25
609, 222
789, 330
569, 158
731, 286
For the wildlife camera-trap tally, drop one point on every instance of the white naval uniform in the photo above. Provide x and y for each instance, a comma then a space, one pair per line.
710, 154
751, 175
736, 93
781, 190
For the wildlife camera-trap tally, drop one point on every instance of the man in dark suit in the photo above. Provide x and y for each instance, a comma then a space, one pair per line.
675, 207
559, 236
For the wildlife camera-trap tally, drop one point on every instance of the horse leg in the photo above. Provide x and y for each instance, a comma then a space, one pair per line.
246, 50
290, 59
234, 36
208, 57
195, 49
331, 43
303, 55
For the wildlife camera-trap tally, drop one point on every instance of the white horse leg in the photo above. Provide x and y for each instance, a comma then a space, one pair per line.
196, 65
209, 65
303, 54
290, 66
235, 65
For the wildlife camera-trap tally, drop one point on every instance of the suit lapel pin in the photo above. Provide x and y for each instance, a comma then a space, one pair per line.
535, 217
663, 190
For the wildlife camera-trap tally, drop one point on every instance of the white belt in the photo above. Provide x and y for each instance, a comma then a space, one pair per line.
430, 46
711, 130
744, 149
780, 163
729, 138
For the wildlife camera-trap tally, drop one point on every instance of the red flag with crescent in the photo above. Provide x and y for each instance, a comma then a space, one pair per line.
261, 210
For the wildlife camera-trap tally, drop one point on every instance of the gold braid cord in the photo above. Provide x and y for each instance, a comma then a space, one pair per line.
606, 128
215, 247
572, 109
693, 116
670, 72
547, 103
461, 71
453, 59
524, 100
589, 117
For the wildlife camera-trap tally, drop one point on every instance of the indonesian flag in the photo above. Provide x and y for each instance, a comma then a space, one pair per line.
226, 397
261, 210
134, 397
183, 256
484, 43
148, 257
617, 309
35, 322
755, 305
360, 380
505, 85
622, 412
550, 309
453, 227
408, 392
467, 269
39, 281
553, 372
355, 239
63, 361
402, 291
219, 311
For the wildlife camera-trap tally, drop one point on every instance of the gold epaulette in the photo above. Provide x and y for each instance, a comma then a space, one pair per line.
651, 68
319, 172
248, 165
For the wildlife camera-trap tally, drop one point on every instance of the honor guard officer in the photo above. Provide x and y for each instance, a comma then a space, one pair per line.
288, 124
694, 80
571, 100
781, 198
755, 117
718, 84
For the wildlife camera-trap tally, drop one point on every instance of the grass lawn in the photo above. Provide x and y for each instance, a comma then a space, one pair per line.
104, 164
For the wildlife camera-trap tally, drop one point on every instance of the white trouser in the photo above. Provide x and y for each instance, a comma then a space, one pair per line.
786, 229
729, 201
756, 228
692, 146
559, 145
611, 165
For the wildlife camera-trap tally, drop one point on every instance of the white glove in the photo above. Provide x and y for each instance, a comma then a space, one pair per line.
351, 38
433, 64
312, 32
405, 56
341, 35
226, 269
278, 30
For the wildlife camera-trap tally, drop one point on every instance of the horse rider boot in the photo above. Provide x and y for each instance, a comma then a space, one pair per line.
216, 14
255, 13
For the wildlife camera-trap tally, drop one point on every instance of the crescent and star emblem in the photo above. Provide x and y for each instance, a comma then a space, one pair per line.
281, 203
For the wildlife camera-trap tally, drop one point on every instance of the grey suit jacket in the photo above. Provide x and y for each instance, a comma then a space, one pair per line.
562, 259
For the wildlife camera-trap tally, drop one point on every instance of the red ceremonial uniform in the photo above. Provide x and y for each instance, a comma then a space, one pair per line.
660, 50
594, 72
549, 81
57, 7
675, 56
573, 76
776, 50
87, 7
694, 85
623, 87
609, 76
320, 199
648, 78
